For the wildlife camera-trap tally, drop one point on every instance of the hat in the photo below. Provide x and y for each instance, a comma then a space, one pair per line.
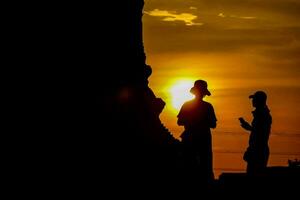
201, 86
259, 95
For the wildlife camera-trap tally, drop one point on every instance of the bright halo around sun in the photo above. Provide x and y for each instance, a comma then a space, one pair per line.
180, 93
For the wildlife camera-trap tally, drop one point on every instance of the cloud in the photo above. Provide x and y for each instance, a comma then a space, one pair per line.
215, 39
267, 29
247, 17
170, 16
221, 15
261, 9
234, 16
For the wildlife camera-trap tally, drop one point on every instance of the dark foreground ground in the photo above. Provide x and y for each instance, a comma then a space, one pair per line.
276, 180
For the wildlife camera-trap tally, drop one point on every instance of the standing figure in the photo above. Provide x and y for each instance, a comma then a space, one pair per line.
257, 153
197, 117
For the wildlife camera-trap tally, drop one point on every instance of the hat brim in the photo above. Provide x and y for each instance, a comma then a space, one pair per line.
206, 92
251, 96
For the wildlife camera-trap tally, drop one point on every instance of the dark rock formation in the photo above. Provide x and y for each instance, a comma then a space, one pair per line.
97, 121
137, 144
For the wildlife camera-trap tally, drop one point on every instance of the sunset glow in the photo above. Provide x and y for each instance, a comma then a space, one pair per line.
180, 93
238, 48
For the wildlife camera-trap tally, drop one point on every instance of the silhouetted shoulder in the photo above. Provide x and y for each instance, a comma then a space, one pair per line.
192, 104
207, 104
188, 105
186, 109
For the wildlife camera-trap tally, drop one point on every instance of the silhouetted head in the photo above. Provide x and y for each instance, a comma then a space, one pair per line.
200, 88
259, 99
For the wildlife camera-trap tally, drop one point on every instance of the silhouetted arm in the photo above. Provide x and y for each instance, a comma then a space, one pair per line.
213, 118
246, 126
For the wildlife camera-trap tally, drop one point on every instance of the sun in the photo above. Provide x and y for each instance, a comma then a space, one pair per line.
180, 93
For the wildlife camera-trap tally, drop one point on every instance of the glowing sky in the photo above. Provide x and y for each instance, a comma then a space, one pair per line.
238, 47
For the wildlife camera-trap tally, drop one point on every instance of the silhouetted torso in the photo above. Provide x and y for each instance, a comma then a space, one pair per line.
261, 125
197, 117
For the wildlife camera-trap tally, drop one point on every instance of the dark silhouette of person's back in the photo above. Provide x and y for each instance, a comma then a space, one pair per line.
197, 117
257, 153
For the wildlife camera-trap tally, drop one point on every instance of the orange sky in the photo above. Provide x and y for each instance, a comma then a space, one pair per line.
238, 47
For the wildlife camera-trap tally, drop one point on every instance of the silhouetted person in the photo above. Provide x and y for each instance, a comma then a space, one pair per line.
257, 154
197, 117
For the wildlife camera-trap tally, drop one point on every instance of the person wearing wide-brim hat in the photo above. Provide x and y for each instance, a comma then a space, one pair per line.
200, 86
198, 117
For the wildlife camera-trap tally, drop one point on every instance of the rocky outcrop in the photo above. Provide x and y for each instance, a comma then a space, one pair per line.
138, 143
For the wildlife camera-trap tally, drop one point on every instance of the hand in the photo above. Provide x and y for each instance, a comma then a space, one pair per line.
245, 124
242, 120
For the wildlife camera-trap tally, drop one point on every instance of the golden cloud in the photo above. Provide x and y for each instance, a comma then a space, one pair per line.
171, 16
234, 16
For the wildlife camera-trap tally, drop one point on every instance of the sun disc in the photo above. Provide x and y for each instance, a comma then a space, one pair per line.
180, 93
